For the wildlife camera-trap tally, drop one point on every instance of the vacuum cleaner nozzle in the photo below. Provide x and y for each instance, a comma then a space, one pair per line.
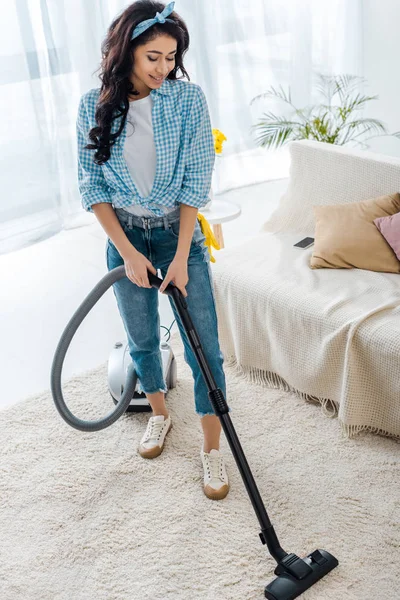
296, 575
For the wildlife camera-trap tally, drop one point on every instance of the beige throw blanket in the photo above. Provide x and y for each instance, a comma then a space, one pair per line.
331, 335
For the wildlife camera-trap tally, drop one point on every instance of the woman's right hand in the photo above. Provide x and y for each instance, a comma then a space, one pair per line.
136, 267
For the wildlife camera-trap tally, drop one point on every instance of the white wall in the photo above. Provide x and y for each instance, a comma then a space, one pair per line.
381, 69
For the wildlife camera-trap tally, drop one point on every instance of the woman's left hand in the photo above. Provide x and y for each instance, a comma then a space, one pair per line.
178, 274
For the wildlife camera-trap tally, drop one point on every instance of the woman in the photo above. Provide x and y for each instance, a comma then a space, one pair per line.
145, 184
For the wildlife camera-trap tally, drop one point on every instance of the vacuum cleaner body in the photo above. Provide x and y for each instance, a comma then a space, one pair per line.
119, 363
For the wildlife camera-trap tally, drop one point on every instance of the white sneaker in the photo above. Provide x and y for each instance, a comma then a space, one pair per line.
216, 485
152, 442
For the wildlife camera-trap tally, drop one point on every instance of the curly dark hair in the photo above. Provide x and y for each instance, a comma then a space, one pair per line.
117, 64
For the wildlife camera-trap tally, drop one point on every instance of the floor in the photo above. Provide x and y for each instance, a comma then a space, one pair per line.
47, 281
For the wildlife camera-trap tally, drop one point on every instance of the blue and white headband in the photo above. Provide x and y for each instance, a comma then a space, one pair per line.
159, 18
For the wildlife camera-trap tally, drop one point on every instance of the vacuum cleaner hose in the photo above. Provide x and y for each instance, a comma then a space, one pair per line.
98, 291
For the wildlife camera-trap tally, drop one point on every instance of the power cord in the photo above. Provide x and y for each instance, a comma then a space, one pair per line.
168, 329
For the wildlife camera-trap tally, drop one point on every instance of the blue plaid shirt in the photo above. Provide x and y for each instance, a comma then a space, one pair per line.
184, 149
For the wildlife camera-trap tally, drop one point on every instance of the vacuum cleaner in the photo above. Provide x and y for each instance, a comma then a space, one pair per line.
295, 575
118, 366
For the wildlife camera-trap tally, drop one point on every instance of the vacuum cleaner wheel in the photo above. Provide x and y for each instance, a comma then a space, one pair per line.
118, 364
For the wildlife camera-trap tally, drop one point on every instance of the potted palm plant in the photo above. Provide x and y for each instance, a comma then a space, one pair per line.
331, 122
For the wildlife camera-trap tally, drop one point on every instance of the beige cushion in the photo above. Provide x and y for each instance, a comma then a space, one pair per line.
346, 236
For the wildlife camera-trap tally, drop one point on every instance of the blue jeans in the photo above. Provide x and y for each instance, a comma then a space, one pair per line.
157, 239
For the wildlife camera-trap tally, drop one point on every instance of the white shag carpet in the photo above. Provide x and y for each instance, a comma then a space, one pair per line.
83, 516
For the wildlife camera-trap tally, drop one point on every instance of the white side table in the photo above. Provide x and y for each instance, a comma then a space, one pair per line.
220, 212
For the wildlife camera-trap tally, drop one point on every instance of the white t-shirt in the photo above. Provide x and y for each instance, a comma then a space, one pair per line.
140, 152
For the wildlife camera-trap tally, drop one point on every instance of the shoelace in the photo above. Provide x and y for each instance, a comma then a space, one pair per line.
154, 429
214, 466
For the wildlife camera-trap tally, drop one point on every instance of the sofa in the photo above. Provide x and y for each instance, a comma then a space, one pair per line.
329, 335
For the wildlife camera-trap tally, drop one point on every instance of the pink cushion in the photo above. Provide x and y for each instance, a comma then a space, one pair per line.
390, 229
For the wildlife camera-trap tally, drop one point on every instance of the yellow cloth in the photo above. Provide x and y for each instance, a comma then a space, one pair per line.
210, 239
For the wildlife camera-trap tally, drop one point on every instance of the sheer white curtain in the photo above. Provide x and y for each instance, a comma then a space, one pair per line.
49, 50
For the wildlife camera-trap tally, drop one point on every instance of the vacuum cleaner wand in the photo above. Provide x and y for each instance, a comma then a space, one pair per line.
295, 575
